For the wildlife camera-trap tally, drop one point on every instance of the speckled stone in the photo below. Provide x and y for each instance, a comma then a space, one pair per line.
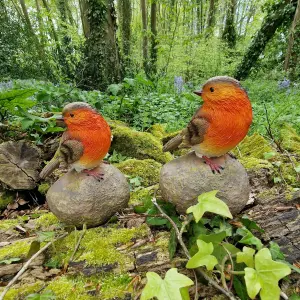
183, 179
76, 198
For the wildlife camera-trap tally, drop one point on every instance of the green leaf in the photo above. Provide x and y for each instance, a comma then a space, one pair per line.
297, 169
220, 252
209, 202
214, 237
240, 288
47, 295
294, 297
34, 248
185, 293
249, 238
277, 179
269, 155
168, 288
203, 257
246, 257
275, 251
45, 236
9, 260
249, 224
265, 277
172, 243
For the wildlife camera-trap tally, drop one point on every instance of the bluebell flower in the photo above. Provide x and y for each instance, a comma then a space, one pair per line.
285, 83
178, 84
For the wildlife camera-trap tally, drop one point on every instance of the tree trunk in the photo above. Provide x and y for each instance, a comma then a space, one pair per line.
153, 55
279, 13
145, 40
211, 18
83, 5
125, 16
229, 33
40, 22
101, 62
291, 37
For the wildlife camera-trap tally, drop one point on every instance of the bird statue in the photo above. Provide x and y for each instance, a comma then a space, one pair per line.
219, 124
85, 142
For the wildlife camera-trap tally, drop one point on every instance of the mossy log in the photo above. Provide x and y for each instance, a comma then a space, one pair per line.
19, 163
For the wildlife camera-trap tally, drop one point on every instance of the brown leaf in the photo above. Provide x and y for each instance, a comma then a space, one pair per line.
22, 201
236, 224
12, 206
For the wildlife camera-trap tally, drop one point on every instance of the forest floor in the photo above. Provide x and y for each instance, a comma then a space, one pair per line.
110, 261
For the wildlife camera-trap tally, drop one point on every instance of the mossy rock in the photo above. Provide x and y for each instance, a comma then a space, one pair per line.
158, 130
20, 292
99, 246
253, 146
6, 197
16, 249
140, 145
147, 169
142, 196
43, 188
290, 139
252, 163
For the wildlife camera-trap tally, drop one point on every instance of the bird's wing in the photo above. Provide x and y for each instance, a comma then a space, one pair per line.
192, 135
68, 152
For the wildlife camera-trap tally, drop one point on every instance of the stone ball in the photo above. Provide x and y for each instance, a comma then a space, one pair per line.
183, 179
77, 199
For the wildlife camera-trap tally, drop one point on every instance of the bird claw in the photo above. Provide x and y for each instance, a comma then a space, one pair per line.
94, 173
215, 168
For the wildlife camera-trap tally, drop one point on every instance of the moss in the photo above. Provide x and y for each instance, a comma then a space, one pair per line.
72, 288
46, 220
17, 249
99, 245
290, 139
5, 198
147, 169
254, 146
289, 174
43, 188
158, 130
268, 194
140, 197
24, 290
7, 224
137, 144
252, 163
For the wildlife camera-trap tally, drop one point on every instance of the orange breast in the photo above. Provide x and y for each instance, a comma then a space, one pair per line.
228, 126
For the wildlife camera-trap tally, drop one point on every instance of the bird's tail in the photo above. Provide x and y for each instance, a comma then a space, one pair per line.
49, 168
174, 143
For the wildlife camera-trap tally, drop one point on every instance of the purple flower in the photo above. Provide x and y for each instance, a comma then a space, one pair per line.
285, 83
178, 84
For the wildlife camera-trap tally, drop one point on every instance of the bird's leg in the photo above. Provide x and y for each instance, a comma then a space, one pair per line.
212, 164
94, 173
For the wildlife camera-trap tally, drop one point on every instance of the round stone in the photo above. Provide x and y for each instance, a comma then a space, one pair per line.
77, 199
183, 179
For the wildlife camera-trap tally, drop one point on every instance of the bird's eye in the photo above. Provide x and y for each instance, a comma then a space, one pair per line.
211, 89
71, 115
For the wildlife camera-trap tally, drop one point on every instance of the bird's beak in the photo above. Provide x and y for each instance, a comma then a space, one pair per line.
199, 93
60, 121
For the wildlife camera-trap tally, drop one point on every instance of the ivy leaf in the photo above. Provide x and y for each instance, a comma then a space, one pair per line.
209, 202
246, 257
240, 288
266, 276
168, 288
275, 251
249, 238
203, 257
172, 243
249, 224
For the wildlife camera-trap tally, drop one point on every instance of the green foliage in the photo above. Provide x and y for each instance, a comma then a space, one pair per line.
264, 278
209, 202
168, 288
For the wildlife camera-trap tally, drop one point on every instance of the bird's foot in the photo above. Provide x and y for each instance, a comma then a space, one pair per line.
213, 165
94, 173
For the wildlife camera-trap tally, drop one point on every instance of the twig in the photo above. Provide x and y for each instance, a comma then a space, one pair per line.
284, 295
78, 242
26, 265
186, 252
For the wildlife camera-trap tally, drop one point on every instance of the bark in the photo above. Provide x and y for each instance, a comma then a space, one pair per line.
153, 68
83, 5
229, 33
102, 65
125, 16
145, 39
279, 13
292, 37
211, 17
40, 22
